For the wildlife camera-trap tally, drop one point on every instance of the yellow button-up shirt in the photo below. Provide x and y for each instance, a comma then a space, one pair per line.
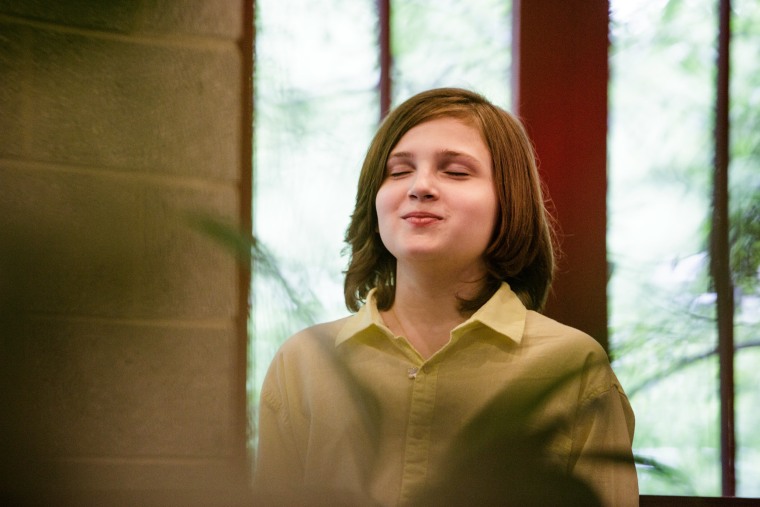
351, 411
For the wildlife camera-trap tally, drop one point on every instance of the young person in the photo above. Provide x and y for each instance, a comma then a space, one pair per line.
446, 383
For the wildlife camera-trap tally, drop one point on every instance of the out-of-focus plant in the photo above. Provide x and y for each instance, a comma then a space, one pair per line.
499, 458
248, 249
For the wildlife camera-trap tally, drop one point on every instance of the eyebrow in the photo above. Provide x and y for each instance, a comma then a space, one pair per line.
444, 154
400, 154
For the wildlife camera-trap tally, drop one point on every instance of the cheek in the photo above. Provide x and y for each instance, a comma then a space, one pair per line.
383, 204
386, 208
491, 215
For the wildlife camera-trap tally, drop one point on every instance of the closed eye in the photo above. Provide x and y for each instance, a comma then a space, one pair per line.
399, 168
457, 171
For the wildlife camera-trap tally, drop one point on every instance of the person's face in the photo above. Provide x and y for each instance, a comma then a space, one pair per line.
437, 202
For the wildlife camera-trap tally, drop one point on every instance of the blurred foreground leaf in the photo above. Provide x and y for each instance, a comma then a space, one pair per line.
247, 248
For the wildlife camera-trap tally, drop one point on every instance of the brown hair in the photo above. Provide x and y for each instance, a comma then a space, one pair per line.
521, 250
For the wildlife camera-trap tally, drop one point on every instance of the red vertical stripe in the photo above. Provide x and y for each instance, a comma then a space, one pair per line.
386, 58
560, 74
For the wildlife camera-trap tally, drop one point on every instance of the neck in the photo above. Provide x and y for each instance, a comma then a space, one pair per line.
434, 290
426, 308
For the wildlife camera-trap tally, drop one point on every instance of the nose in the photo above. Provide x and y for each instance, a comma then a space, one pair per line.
423, 187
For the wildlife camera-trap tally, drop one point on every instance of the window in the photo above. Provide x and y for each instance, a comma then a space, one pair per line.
662, 297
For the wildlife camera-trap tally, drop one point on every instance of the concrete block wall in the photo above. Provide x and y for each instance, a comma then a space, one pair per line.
123, 327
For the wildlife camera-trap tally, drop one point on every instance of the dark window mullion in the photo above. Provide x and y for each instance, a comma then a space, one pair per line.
386, 57
720, 255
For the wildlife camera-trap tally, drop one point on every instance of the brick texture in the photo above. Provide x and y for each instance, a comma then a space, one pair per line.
127, 105
123, 325
221, 18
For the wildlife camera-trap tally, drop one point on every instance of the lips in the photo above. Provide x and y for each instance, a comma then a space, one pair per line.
421, 217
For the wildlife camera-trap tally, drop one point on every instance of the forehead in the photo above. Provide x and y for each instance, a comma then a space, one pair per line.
451, 133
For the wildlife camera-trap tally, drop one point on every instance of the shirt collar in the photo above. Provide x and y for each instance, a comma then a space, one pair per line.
365, 320
503, 313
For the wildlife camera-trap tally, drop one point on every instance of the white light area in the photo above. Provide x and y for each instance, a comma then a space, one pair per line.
683, 270
320, 46
654, 225
634, 17
630, 11
660, 158
472, 52
653, 240
749, 310
316, 109
303, 212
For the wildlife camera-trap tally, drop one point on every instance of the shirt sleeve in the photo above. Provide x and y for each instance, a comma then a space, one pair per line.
601, 454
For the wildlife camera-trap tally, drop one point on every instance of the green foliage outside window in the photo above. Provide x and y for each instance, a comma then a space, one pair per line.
662, 304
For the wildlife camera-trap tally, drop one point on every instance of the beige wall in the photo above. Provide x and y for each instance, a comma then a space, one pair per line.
123, 328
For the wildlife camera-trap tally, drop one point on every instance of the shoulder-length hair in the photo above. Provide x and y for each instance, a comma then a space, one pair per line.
521, 249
